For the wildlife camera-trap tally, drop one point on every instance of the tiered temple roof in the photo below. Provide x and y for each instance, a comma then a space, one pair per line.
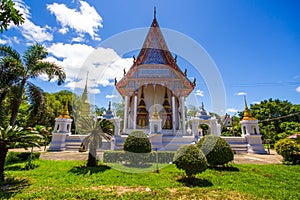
155, 65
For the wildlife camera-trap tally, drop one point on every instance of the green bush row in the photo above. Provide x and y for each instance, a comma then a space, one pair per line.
124, 156
17, 157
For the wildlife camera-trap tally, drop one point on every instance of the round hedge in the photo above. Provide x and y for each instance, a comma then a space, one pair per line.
191, 159
216, 150
288, 149
137, 142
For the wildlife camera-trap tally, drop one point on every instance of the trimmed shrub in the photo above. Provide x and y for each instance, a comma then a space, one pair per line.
289, 150
121, 156
191, 159
216, 150
137, 142
17, 157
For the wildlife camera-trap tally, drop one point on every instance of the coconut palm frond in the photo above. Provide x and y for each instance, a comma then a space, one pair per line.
33, 55
51, 69
97, 130
7, 51
36, 100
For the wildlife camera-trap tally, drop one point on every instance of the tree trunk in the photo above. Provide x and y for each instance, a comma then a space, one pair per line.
92, 160
3, 153
16, 104
2, 97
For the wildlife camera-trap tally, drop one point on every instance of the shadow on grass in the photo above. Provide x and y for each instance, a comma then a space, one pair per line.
91, 170
138, 165
194, 182
20, 167
225, 168
11, 187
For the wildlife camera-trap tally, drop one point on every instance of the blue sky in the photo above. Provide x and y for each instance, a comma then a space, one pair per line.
254, 44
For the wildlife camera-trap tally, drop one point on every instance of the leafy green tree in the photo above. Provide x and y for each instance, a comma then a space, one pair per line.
45, 132
97, 129
99, 111
9, 14
192, 110
15, 137
271, 114
32, 65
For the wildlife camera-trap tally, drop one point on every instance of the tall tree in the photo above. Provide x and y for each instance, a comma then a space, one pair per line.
9, 14
97, 129
15, 137
31, 66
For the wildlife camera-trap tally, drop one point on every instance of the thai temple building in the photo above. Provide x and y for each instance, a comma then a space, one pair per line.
154, 91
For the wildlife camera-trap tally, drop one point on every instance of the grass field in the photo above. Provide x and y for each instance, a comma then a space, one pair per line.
72, 180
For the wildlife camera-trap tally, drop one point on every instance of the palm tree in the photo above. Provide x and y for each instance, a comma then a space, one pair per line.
96, 130
15, 137
30, 66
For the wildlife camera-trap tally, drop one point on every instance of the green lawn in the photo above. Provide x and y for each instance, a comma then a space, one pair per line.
71, 180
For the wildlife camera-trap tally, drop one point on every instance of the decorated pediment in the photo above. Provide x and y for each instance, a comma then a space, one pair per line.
155, 65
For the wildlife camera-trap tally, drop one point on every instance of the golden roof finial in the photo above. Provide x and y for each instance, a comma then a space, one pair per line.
65, 112
247, 113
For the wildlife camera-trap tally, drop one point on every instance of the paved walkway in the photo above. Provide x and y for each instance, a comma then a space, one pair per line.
272, 158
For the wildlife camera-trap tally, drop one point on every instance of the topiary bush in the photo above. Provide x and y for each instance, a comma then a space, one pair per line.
137, 142
289, 149
216, 149
137, 147
191, 159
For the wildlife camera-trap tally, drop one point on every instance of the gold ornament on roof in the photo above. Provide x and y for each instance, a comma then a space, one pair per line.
65, 112
247, 113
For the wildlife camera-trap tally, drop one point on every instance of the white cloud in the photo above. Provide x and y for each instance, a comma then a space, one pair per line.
241, 93
29, 30
111, 96
78, 39
3, 41
103, 65
231, 110
199, 93
84, 20
63, 30
298, 89
255, 102
94, 91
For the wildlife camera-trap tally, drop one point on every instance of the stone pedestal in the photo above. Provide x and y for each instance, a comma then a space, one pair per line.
156, 141
58, 142
255, 144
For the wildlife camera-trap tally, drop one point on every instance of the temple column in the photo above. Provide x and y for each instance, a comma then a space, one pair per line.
134, 111
183, 115
125, 113
173, 113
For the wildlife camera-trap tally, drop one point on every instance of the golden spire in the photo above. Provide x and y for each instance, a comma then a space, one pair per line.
247, 113
65, 112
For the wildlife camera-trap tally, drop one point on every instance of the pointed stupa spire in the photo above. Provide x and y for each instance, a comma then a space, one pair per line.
154, 12
85, 91
65, 112
247, 114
